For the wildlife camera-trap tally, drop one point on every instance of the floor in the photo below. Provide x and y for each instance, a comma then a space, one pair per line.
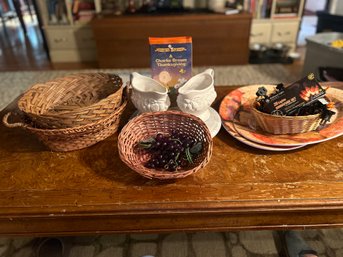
25, 52
21, 51
327, 242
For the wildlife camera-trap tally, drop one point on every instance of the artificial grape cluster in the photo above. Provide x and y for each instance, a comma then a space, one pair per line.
171, 151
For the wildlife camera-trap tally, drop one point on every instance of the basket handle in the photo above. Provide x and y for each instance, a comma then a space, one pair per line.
12, 125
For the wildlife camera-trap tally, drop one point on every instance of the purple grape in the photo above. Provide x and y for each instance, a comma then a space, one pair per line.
159, 137
168, 152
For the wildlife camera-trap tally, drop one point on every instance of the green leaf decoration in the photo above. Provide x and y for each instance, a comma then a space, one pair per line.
146, 143
177, 156
177, 140
196, 149
189, 155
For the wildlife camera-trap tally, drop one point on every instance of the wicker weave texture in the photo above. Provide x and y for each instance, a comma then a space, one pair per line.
149, 125
286, 124
70, 139
72, 101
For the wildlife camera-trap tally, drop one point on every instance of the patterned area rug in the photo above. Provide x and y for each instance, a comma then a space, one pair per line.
14, 83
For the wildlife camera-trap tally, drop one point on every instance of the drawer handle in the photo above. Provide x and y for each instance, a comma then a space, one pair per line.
257, 35
60, 40
285, 33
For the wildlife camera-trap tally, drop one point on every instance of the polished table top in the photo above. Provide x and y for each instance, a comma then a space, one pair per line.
91, 191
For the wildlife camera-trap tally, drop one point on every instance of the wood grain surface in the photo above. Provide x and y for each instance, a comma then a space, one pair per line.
122, 41
92, 191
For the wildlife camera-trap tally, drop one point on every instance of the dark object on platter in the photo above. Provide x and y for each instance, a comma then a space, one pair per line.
288, 100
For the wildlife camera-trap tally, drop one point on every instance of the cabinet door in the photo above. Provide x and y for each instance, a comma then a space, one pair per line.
285, 32
260, 33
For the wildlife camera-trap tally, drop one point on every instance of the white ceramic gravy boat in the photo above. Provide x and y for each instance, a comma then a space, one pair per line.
148, 95
197, 94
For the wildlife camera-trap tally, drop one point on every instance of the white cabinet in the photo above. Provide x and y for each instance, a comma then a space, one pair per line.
276, 21
260, 32
269, 32
66, 26
284, 32
60, 38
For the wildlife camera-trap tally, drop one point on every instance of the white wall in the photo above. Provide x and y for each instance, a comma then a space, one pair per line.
336, 7
315, 5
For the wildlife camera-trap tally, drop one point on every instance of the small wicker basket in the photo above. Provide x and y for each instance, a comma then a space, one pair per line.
72, 101
70, 139
148, 125
286, 124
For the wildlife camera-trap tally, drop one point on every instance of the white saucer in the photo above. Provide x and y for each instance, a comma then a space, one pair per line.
214, 122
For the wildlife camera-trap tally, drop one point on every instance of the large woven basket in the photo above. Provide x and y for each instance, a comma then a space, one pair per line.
148, 125
69, 139
72, 101
286, 124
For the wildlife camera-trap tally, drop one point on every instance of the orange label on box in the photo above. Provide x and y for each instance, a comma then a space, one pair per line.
171, 60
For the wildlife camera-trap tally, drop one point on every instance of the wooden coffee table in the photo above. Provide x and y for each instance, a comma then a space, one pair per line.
91, 191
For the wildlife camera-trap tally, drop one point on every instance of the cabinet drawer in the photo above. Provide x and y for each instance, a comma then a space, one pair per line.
60, 38
260, 33
70, 38
284, 32
84, 38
